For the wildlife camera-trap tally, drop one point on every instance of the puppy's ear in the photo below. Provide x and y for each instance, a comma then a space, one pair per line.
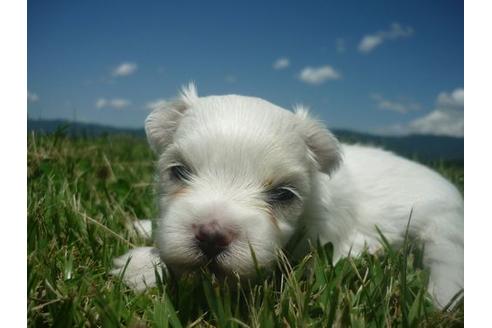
323, 147
163, 121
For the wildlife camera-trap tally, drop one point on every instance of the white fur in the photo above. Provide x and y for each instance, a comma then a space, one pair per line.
139, 266
143, 228
239, 147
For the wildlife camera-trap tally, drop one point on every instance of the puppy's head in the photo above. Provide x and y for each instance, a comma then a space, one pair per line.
234, 176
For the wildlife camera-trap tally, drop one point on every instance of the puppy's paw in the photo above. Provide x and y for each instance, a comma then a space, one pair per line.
140, 273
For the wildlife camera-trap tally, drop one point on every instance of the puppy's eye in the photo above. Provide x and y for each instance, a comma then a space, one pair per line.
282, 194
180, 173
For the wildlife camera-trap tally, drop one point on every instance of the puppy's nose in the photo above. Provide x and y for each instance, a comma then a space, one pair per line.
213, 239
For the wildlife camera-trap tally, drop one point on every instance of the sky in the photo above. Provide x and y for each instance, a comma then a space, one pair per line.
385, 67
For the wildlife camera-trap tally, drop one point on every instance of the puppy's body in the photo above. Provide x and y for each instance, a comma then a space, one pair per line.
237, 172
377, 188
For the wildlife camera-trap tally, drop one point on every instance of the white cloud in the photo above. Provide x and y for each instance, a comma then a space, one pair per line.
230, 79
371, 41
32, 97
318, 75
439, 122
281, 63
155, 104
125, 69
119, 103
447, 118
340, 45
101, 102
454, 100
115, 103
401, 107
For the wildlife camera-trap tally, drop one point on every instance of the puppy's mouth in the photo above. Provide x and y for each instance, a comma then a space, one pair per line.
216, 269
203, 262
213, 258
220, 260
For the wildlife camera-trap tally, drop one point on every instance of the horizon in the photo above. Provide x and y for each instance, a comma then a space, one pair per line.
334, 129
385, 68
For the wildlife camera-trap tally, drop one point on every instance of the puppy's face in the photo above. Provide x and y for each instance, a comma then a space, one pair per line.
234, 175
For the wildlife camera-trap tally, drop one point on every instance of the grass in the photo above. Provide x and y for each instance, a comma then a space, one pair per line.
81, 194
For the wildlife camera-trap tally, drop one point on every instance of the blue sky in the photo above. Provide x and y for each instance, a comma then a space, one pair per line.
390, 67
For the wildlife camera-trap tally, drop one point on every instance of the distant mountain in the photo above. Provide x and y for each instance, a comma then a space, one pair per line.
78, 128
421, 147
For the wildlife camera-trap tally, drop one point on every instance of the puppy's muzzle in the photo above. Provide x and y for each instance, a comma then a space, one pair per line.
213, 238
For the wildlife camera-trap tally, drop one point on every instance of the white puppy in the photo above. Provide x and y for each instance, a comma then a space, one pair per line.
238, 173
